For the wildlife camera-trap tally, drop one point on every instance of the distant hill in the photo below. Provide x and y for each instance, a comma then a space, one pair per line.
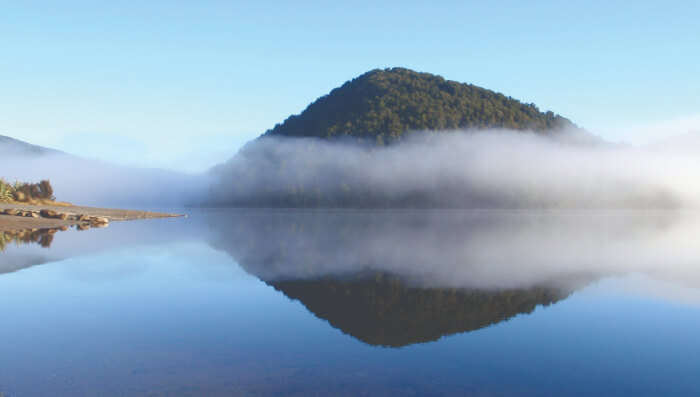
382, 105
87, 181
14, 147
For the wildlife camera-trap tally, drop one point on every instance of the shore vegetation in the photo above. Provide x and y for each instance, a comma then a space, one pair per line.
23, 192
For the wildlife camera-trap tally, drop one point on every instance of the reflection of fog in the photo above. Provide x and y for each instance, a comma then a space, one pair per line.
400, 277
454, 249
395, 278
463, 249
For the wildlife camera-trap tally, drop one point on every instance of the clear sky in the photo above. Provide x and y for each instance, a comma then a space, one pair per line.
183, 84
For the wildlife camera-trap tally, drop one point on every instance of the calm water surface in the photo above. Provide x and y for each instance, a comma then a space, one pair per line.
357, 303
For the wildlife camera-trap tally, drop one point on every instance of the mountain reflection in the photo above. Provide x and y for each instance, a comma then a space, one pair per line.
394, 278
382, 310
399, 277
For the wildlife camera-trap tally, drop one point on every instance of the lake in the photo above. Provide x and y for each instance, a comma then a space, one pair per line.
357, 303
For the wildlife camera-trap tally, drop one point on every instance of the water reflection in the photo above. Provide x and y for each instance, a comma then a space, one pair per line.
20, 249
394, 278
42, 237
399, 277
151, 308
461, 249
380, 309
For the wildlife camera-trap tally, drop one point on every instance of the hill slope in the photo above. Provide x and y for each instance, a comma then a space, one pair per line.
93, 182
14, 147
384, 104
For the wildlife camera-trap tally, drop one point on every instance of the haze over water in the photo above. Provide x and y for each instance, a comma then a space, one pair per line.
349, 302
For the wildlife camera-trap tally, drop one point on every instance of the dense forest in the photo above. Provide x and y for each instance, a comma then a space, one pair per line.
382, 105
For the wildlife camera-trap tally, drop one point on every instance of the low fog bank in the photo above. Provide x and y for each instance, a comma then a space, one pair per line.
462, 169
480, 249
91, 182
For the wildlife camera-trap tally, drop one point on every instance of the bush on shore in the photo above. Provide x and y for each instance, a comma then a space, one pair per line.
25, 192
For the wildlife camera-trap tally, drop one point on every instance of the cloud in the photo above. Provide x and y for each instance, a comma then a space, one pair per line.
462, 169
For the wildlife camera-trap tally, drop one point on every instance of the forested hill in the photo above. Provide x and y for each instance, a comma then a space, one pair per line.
384, 104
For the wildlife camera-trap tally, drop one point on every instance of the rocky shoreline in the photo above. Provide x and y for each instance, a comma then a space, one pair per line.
82, 219
17, 217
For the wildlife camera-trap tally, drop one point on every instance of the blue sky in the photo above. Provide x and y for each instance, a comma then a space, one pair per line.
182, 84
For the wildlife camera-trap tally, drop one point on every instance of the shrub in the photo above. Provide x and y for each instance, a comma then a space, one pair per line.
6, 191
25, 191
